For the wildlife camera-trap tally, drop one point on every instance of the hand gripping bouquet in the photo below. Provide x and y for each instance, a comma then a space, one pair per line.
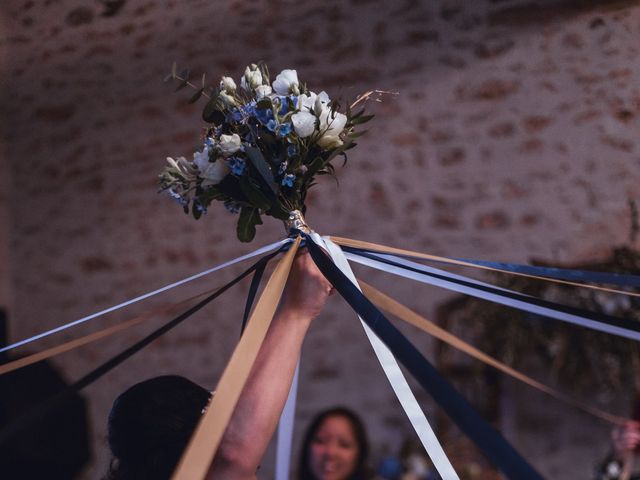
263, 146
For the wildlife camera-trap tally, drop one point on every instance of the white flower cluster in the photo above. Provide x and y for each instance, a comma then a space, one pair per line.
314, 115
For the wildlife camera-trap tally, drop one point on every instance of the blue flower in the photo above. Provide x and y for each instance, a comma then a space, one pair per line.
232, 206
264, 115
288, 180
250, 108
177, 197
284, 129
236, 115
292, 150
199, 207
284, 103
271, 125
237, 165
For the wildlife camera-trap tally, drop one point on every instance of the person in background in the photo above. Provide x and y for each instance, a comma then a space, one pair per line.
619, 464
335, 447
151, 423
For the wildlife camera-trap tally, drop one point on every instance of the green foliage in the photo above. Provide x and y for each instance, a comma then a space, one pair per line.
249, 218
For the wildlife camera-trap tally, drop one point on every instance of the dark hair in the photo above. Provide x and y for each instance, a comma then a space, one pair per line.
150, 425
361, 472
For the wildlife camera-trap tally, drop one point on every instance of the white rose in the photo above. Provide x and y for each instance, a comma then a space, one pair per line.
229, 144
252, 78
304, 123
331, 127
228, 85
214, 172
286, 82
321, 103
201, 159
227, 99
306, 102
262, 91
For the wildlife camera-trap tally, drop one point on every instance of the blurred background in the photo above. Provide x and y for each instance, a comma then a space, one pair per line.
515, 136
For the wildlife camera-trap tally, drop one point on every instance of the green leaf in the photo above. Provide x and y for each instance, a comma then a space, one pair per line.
196, 96
314, 167
357, 134
254, 195
263, 168
212, 112
230, 187
361, 119
265, 103
278, 211
249, 218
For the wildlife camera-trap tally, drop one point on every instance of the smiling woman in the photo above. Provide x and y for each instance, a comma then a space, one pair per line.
335, 447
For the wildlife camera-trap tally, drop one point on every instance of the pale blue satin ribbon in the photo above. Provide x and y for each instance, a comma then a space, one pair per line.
285, 430
395, 376
260, 251
492, 297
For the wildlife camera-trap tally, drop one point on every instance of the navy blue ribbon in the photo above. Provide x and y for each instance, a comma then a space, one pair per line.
47, 406
490, 442
583, 276
251, 296
594, 316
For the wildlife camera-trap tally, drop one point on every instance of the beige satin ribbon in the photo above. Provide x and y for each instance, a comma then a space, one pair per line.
395, 308
347, 242
107, 332
202, 447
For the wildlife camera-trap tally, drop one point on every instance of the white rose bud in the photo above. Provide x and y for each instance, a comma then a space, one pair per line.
262, 91
286, 82
252, 78
228, 85
321, 103
229, 144
227, 99
331, 127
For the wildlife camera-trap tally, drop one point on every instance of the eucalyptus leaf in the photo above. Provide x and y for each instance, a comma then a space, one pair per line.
361, 119
182, 84
196, 96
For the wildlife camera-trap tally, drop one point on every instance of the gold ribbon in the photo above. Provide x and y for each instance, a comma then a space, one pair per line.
107, 332
391, 306
347, 242
204, 443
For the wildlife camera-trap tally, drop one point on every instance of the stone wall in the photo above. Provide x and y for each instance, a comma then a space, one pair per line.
514, 136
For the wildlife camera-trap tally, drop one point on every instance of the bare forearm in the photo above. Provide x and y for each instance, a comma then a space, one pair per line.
256, 415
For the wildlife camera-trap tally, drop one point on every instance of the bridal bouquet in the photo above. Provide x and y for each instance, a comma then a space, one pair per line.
263, 147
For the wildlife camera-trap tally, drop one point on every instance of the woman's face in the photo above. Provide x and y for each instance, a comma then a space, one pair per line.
334, 449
